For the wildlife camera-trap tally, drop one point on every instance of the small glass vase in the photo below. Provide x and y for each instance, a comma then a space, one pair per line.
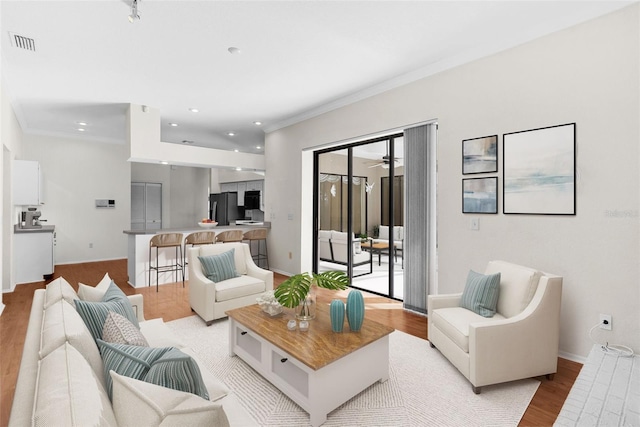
306, 310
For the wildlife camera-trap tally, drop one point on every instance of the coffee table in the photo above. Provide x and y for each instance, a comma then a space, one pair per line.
318, 369
376, 248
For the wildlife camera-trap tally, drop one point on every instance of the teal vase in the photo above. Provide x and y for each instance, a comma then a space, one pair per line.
336, 310
355, 310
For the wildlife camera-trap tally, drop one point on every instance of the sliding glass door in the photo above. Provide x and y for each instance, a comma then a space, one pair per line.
359, 214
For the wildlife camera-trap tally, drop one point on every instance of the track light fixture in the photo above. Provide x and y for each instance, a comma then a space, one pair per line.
134, 11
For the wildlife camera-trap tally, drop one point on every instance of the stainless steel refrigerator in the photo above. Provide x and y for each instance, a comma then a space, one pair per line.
223, 207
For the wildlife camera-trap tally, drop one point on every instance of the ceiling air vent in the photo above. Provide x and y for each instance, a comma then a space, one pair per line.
22, 42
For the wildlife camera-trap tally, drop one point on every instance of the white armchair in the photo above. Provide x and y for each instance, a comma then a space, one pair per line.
519, 341
210, 299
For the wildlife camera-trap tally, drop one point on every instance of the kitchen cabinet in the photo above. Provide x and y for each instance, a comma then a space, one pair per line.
240, 187
33, 254
27, 183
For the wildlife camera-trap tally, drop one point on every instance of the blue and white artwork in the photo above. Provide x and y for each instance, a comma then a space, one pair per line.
480, 195
539, 171
480, 155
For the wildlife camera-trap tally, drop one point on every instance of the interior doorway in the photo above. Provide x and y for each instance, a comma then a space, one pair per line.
356, 207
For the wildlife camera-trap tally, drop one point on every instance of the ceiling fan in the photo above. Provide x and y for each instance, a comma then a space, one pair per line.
386, 160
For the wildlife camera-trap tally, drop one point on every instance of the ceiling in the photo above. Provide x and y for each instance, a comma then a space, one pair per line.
297, 58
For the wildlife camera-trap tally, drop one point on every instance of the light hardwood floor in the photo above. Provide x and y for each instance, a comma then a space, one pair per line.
172, 302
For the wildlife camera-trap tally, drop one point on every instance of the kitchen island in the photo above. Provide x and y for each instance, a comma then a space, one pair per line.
138, 252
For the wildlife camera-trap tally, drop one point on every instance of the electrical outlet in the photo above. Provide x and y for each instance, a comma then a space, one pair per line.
290, 255
90, 245
605, 322
474, 224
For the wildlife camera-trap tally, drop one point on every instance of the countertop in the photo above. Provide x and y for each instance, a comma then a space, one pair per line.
44, 229
198, 228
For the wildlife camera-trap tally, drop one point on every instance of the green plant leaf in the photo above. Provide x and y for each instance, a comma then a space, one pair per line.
293, 290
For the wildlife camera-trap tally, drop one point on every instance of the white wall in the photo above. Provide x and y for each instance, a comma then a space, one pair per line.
75, 173
11, 135
588, 74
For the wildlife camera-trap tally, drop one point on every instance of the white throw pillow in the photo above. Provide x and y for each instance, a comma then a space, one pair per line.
94, 294
383, 232
68, 393
57, 290
138, 403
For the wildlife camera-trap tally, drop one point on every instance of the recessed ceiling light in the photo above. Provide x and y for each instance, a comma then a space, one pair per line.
259, 147
194, 110
80, 129
234, 50
230, 134
238, 169
164, 162
173, 124
81, 123
257, 123
236, 150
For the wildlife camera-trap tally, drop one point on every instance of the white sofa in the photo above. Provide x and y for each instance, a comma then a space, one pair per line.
210, 300
519, 341
61, 380
332, 247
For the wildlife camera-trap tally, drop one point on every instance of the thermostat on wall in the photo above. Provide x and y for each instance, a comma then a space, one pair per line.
105, 203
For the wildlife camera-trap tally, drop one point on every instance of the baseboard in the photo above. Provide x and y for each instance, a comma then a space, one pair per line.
284, 273
1, 308
572, 357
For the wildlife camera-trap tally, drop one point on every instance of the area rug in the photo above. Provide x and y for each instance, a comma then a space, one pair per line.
423, 389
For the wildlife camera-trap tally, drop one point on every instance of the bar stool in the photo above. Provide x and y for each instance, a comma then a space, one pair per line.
166, 240
197, 238
259, 235
229, 236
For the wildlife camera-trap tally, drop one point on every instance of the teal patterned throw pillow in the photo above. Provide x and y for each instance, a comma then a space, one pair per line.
481, 293
219, 267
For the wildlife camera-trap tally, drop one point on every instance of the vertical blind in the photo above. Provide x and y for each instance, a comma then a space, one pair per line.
417, 142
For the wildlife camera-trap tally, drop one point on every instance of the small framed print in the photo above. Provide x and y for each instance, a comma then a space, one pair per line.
480, 155
480, 195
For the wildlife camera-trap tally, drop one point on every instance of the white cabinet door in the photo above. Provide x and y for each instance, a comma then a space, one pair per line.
33, 256
146, 206
228, 186
242, 187
254, 185
27, 183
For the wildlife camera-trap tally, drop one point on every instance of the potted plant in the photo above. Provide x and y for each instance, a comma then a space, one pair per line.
297, 291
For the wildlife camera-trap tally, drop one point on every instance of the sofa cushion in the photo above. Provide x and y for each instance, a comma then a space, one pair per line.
239, 287
454, 323
216, 388
138, 403
57, 290
480, 293
219, 267
324, 235
518, 284
94, 294
68, 392
158, 334
60, 324
383, 232
95, 313
118, 329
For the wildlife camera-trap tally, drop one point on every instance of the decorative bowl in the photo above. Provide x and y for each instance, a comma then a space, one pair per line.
207, 224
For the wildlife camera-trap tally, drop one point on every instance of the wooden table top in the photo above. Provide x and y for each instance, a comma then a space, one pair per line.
377, 245
316, 347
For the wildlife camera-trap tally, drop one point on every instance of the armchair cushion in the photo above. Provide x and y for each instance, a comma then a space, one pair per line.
454, 323
518, 284
480, 294
220, 267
